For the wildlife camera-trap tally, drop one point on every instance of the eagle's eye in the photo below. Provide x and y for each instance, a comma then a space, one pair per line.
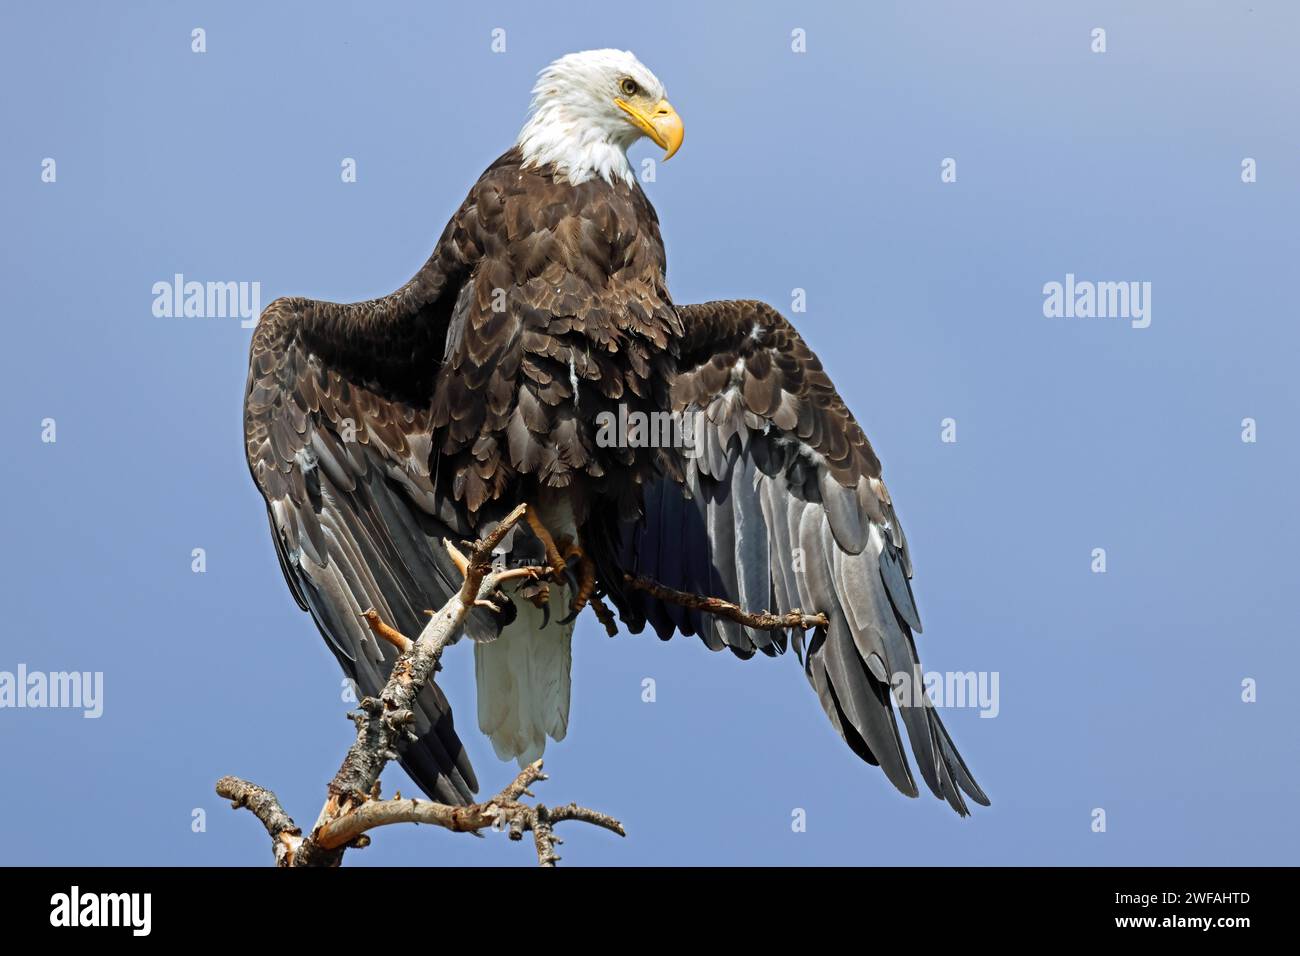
628, 86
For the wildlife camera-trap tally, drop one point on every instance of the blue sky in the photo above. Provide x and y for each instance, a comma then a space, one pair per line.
819, 171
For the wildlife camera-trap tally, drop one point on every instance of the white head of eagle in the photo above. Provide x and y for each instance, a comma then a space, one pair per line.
588, 108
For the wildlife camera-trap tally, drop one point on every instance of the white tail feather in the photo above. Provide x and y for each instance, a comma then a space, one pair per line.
523, 681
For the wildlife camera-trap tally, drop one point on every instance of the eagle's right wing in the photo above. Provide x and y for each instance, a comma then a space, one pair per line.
337, 426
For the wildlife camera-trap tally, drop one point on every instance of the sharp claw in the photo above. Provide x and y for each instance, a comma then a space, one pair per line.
581, 583
546, 614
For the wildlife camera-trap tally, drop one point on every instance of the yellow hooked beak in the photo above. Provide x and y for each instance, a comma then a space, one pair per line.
662, 124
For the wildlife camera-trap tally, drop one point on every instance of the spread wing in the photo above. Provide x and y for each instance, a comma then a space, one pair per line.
782, 506
338, 437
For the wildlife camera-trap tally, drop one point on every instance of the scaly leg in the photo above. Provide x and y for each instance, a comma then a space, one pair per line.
559, 556
586, 578
553, 557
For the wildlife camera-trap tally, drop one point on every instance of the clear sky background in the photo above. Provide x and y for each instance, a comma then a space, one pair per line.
820, 171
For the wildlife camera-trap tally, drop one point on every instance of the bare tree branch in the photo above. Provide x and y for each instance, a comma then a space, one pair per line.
390, 634
763, 620
286, 835
604, 615
503, 810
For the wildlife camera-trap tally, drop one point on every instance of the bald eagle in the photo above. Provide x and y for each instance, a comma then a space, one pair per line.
377, 430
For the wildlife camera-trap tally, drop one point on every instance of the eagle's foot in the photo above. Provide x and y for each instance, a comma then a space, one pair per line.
537, 594
566, 562
584, 583
553, 558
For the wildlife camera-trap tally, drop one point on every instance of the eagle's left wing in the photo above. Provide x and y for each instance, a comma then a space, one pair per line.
782, 506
